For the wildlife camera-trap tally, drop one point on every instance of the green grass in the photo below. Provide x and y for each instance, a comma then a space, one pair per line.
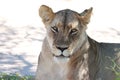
115, 68
4, 76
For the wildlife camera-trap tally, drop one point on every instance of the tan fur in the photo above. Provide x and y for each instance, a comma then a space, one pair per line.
68, 53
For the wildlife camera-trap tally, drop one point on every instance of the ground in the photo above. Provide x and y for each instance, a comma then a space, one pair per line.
19, 48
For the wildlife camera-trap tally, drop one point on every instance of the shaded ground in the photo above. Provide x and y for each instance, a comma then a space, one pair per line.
19, 48
107, 35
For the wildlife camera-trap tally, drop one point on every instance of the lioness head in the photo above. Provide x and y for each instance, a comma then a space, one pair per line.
65, 29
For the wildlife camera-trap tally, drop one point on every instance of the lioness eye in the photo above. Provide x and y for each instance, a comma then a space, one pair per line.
73, 31
54, 29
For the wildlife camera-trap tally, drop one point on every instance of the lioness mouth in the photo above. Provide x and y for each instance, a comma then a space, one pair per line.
61, 56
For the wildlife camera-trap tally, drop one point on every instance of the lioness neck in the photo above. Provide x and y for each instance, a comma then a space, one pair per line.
78, 70
80, 62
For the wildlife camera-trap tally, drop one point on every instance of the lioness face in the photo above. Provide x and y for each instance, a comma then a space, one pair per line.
65, 30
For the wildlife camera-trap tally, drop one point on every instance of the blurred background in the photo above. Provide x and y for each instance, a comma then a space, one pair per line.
22, 31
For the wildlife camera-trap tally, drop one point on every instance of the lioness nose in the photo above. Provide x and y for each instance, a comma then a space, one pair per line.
62, 48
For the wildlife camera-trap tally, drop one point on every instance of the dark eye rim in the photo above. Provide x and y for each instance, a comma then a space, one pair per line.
73, 31
54, 29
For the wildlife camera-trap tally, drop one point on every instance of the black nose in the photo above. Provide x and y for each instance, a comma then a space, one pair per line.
62, 48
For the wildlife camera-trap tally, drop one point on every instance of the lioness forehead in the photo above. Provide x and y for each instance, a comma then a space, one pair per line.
66, 18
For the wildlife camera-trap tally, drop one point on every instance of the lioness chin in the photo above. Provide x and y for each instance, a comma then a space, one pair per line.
69, 54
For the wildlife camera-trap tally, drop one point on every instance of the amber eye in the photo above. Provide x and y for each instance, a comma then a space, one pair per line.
73, 31
54, 29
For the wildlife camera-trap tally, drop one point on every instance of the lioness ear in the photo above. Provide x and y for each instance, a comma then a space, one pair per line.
85, 15
46, 13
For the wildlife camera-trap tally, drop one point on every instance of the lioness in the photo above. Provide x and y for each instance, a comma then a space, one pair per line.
69, 54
